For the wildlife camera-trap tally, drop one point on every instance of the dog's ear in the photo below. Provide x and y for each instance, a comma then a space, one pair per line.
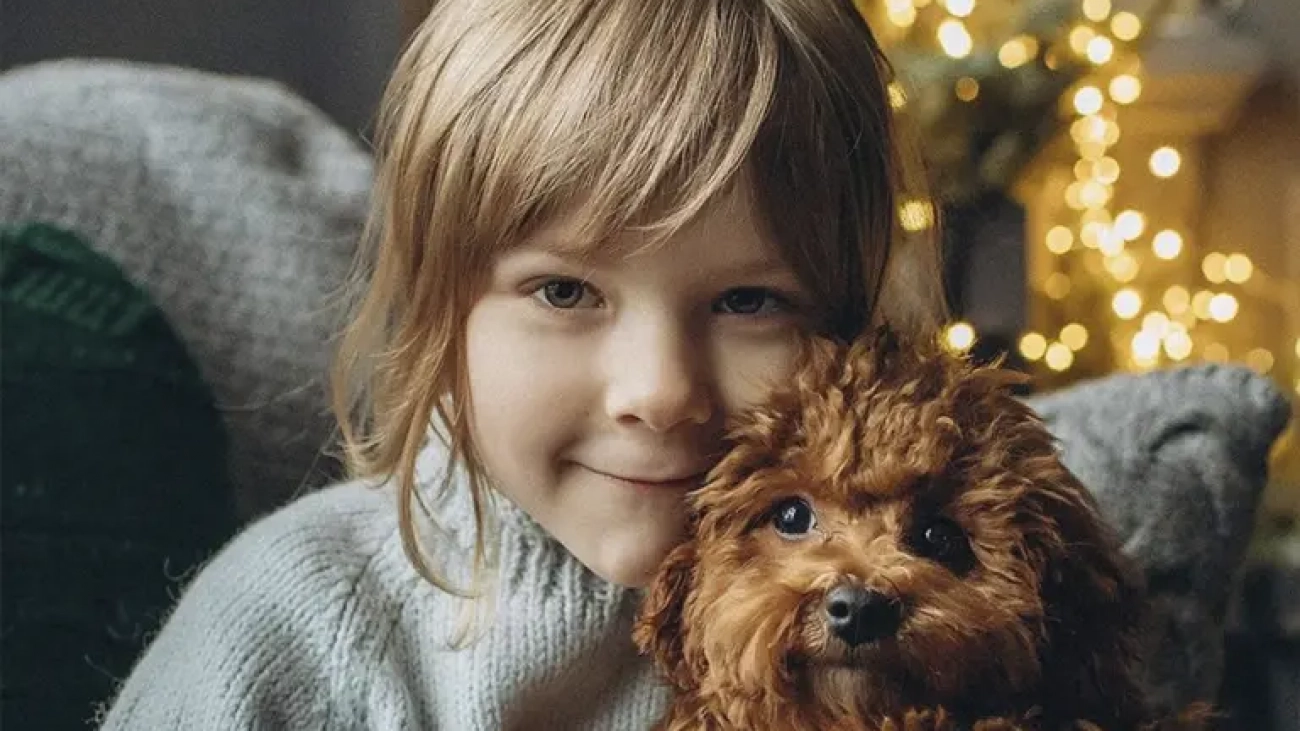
659, 631
1095, 606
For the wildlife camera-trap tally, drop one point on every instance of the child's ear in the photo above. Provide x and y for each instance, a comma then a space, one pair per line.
659, 631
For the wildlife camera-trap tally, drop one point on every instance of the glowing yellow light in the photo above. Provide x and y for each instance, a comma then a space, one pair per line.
897, 97
1110, 133
1080, 37
901, 13
1214, 267
1092, 150
1088, 100
1178, 345
1100, 216
903, 18
1107, 170
1100, 50
1059, 240
1156, 322
1297, 348
1123, 267
1201, 304
1167, 244
1146, 346
916, 215
1090, 128
1057, 286
1165, 162
960, 336
1095, 217
1126, 26
1033, 346
1074, 336
1073, 195
1094, 194
1216, 352
955, 39
1058, 357
1125, 89
1126, 303
967, 89
1110, 242
1260, 359
1130, 225
1096, 10
1223, 307
1093, 232
1017, 52
1176, 300
960, 8
1238, 268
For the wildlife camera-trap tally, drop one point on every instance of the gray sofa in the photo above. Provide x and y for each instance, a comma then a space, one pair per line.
236, 206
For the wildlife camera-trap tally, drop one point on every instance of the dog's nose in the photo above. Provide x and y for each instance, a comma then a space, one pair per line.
857, 614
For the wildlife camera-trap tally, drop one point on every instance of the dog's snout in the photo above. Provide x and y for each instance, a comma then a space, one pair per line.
858, 615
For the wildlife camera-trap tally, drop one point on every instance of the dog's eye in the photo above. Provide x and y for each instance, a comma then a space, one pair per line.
793, 518
944, 541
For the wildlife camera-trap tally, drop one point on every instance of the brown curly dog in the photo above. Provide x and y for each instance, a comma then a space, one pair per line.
893, 543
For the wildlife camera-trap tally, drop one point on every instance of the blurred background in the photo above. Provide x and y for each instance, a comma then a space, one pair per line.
336, 53
1118, 183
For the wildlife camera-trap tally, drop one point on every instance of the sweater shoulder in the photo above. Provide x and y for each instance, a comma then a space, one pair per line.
264, 630
337, 526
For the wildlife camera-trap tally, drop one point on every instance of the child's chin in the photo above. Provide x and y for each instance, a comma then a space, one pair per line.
630, 561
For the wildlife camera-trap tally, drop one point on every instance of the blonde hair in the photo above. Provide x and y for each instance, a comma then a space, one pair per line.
502, 114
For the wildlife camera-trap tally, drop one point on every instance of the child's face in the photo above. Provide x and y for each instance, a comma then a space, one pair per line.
600, 390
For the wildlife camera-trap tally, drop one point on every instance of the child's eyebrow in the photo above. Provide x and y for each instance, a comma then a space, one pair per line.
610, 254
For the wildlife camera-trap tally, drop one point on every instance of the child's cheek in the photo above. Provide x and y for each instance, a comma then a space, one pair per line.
749, 368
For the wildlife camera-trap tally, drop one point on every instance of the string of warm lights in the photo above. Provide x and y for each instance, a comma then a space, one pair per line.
1160, 309
1156, 324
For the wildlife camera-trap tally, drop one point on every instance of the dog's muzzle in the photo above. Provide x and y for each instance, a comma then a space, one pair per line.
858, 615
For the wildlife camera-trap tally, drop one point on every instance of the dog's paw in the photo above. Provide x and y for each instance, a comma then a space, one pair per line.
1196, 717
921, 720
937, 719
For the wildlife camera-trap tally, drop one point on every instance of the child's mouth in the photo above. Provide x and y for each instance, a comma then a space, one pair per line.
653, 483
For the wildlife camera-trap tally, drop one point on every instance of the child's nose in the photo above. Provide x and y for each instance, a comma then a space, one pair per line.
659, 379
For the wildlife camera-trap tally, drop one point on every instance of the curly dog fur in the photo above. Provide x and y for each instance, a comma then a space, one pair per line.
893, 543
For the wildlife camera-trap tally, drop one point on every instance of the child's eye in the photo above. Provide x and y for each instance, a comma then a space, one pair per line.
566, 294
752, 301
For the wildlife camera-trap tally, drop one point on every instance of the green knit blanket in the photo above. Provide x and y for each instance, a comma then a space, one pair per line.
113, 478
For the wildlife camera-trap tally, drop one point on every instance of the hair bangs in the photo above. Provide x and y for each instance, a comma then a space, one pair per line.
567, 132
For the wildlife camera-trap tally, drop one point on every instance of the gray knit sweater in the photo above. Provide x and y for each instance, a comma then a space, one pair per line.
314, 619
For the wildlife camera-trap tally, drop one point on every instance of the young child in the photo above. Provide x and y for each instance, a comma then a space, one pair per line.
600, 227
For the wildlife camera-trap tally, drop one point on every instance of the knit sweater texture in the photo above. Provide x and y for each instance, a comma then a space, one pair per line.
314, 618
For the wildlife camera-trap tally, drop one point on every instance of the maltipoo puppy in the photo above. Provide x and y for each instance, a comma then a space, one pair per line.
893, 543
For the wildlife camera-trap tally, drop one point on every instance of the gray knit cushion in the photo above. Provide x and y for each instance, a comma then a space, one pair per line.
235, 203
1177, 460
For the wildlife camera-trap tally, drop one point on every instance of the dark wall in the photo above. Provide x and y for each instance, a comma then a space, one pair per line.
336, 53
